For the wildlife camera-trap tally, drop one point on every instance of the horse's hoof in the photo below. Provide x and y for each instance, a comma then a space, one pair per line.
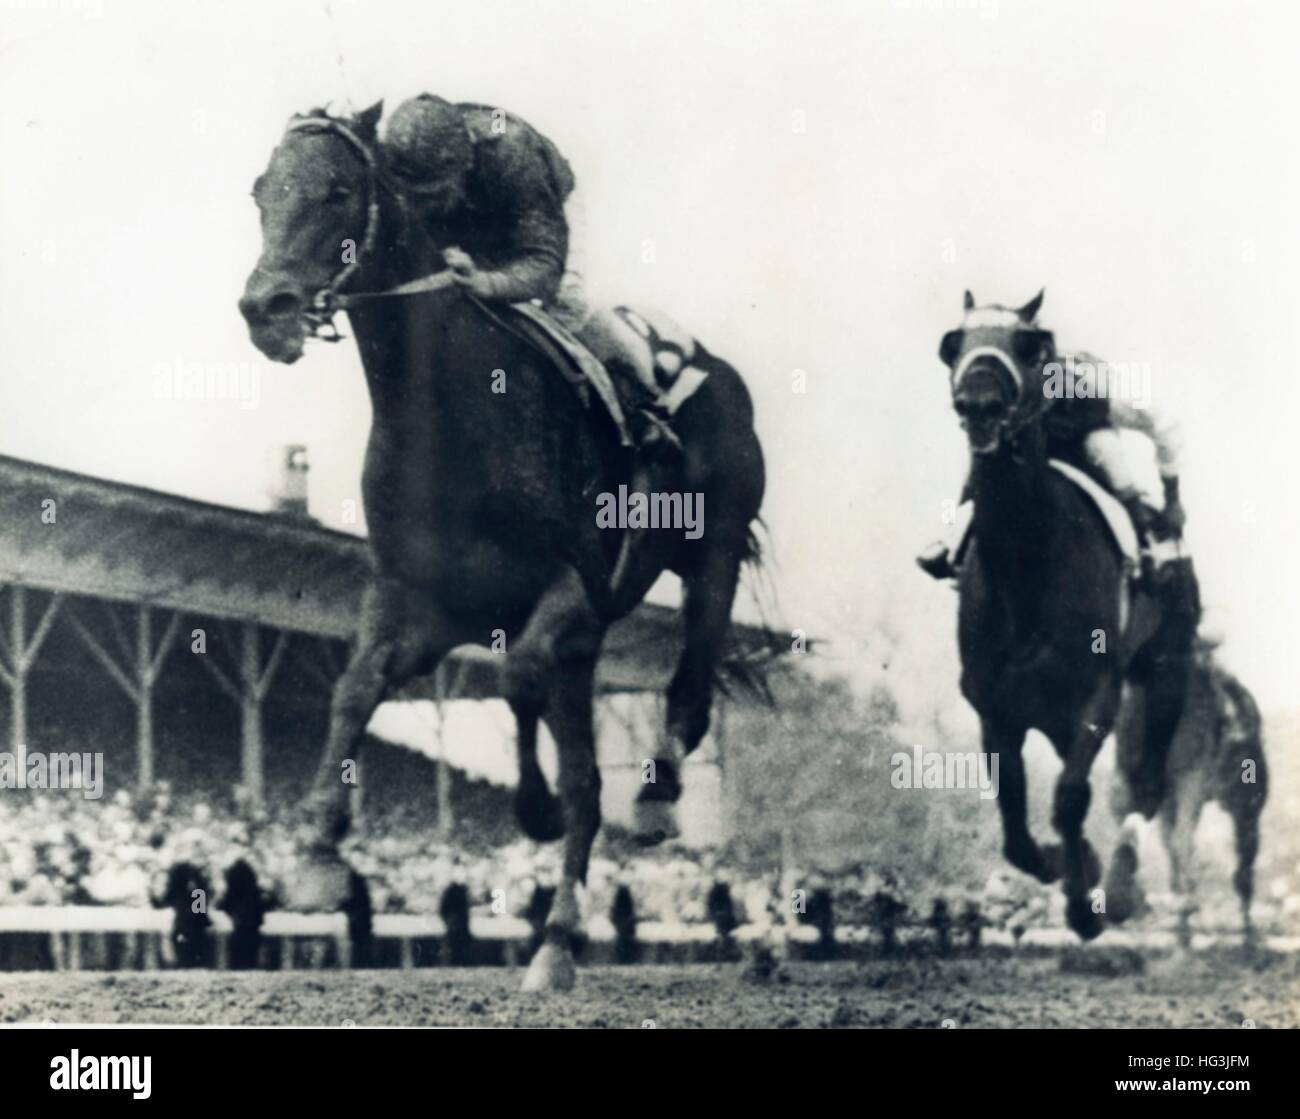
654, 821
552, 969
1124, 899
1080, 916
320, 886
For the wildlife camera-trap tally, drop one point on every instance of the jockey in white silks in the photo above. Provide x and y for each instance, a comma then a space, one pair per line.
1132, 446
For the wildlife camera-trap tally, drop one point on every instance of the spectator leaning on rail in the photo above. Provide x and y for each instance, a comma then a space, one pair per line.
501, 198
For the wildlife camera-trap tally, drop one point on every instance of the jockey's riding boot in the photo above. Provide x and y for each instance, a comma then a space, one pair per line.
648, 421
936, 561
1155, 548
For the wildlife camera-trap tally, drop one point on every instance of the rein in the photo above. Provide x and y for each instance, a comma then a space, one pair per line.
329, 300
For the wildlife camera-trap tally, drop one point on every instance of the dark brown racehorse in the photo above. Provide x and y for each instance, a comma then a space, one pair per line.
1042, 645
481, 485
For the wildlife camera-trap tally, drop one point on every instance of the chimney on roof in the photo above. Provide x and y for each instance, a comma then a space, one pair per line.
286, 480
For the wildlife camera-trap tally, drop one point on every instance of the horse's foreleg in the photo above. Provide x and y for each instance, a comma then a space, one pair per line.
570, 720
551, 670
1080, 867
1178, 824
556, 657
709, 592
386, 653
1018, 845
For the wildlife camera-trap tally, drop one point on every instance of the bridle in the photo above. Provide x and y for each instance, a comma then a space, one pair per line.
1021, 413
330, 299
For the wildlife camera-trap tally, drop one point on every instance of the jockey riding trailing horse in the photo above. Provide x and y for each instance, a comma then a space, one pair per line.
1125, 444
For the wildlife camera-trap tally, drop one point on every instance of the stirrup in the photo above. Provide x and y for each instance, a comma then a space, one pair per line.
1158, 562
656, 430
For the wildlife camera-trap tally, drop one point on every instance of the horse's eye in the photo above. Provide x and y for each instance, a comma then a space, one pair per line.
1030, 346
950, 346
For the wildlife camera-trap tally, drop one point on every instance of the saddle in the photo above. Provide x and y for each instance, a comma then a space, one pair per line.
669, 354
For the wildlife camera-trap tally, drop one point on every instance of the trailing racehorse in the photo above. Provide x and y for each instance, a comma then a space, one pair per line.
1217, 756
1043, 591
481, 484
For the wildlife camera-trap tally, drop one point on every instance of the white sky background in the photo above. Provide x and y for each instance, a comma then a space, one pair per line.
1140, 160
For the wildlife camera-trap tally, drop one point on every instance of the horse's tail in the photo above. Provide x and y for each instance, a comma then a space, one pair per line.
747, 667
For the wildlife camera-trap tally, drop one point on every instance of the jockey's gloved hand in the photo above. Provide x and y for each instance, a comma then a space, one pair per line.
459, 261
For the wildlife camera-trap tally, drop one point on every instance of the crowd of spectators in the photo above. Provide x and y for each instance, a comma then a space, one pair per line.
63, 850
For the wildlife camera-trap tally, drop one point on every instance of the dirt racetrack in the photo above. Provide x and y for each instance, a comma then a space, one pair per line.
1096, 988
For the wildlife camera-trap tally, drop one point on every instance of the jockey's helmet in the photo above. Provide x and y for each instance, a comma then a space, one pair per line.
429, 147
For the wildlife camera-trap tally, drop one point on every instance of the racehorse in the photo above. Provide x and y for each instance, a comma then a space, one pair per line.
1217, 755
1039, 619
481, 483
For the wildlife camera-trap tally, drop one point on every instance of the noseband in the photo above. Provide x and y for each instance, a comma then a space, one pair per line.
1021, 413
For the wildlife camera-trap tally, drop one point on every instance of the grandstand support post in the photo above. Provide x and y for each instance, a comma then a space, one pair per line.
19, 653
145, 678
255, 679
448, 678
148, 664
139, 674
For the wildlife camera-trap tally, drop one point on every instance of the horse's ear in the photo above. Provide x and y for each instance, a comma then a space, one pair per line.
1029, 312
969, 303
367, 122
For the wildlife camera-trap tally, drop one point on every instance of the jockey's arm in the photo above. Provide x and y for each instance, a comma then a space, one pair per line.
526, 181
1162, 430
541, 242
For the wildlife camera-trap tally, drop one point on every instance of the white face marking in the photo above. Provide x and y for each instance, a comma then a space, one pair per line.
991, 316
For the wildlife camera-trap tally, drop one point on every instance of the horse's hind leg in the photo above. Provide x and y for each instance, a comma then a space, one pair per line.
710, 590
1245, 821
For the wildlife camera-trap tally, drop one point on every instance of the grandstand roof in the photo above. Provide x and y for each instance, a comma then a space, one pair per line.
78, 534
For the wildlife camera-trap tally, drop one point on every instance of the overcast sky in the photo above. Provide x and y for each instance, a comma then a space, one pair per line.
820, 183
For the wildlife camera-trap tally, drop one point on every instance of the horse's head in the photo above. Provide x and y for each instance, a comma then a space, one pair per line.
996, 358
319, 201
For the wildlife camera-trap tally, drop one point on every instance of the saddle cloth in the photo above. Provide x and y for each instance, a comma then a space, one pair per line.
668, 354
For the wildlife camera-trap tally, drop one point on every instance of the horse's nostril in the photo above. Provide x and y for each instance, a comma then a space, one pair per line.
285, 303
